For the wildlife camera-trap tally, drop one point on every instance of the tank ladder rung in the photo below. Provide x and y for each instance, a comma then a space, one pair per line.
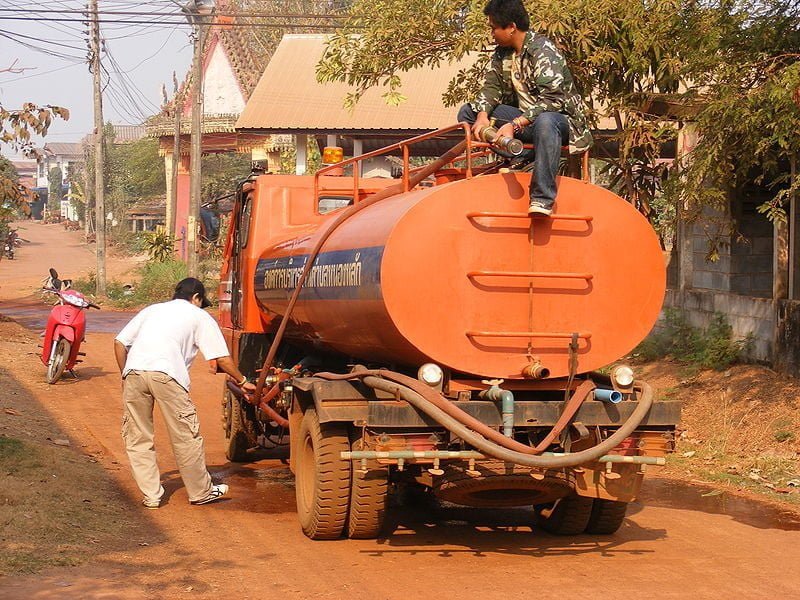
515, 215
531, 275
585, 335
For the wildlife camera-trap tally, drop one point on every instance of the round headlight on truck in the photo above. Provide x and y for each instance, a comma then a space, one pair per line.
622, 376
431, 374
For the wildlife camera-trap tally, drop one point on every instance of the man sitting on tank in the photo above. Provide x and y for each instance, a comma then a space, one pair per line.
530, 94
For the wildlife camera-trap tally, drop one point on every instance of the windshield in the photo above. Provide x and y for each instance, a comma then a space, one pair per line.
75, 300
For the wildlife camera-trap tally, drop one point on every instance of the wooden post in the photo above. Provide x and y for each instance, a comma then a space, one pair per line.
794, 238
172, 201
193, 220
301, 157
687, 139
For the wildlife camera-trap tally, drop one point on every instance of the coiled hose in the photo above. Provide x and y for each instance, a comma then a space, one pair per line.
435, 406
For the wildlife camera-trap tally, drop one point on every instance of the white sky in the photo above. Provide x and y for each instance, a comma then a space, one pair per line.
146, 54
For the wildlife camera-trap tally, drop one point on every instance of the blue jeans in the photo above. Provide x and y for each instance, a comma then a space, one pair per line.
548, 133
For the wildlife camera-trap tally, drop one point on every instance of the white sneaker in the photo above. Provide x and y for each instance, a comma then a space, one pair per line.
154, 504
537, 208
217, 492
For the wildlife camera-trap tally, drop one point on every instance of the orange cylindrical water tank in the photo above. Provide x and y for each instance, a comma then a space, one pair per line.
459, 274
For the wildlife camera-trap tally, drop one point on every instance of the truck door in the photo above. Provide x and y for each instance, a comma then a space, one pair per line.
240, 240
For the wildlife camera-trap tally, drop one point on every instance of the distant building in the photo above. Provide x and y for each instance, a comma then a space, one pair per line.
67, 156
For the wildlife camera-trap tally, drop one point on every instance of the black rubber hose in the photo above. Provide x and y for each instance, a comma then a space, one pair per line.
491, 449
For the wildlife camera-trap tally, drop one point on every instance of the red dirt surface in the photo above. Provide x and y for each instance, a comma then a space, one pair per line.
676, 543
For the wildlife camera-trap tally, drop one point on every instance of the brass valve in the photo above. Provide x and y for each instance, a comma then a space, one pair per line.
510, 144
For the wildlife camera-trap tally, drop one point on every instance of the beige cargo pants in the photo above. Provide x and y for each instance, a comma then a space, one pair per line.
142, 389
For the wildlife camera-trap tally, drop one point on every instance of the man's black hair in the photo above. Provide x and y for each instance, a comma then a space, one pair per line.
187, 288
506, 12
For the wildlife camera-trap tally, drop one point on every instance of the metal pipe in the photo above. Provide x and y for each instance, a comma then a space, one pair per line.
536, 371
264, 404
506, 399
472, 455
612, 396
497, 450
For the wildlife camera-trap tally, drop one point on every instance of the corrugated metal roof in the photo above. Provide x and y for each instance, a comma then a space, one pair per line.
289, 98
64, 148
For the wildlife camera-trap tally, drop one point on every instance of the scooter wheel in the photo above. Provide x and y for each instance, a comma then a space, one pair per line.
59, 361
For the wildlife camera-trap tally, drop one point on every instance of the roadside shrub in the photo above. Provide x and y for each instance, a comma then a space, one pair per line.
85, 285
127, 242
159, 245
158, 281
710, 348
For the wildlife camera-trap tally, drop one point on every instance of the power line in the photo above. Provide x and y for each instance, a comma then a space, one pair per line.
174, 23
139, 13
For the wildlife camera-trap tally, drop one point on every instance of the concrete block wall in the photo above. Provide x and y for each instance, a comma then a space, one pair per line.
751, 256
748, 316
709, 275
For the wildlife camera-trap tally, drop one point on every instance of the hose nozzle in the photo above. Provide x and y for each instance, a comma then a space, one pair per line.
510, 144
536, 370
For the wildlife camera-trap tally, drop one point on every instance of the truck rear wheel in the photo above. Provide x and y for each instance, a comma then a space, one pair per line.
322, 477
568, 516
239, 433
607, 516
368, 493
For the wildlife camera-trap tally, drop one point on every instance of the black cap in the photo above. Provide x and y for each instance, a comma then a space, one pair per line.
187, 288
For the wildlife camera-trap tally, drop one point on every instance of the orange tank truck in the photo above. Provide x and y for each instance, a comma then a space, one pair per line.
425, 332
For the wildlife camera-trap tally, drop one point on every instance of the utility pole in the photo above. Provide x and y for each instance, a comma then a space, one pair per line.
176, 157
99, 149
192, 246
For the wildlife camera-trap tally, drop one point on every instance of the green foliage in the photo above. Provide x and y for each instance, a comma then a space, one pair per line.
159, 245
710, 348
55, 191
158, 280
135, 170
730, 65
221, 173
749, 118
9, 179
77, 198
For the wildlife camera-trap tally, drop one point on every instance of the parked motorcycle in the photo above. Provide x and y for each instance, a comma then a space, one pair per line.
11, 242
65, 329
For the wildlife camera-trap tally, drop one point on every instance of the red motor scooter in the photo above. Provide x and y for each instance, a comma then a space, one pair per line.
65, 329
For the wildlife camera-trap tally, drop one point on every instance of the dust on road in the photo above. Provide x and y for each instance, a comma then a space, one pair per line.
675, 543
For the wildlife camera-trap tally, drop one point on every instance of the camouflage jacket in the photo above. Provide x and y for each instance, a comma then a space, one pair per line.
549, 82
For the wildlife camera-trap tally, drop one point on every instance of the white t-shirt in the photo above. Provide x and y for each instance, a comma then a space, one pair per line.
165, 337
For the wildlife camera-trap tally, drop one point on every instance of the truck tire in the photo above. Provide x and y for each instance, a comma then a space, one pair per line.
368, 494
239, 433
59, 361
607, 516
322, 477
569, 516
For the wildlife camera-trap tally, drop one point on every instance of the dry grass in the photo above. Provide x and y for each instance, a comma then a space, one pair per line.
740, 427
57, 505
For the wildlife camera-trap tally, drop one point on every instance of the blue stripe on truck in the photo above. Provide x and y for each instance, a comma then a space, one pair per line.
336, 275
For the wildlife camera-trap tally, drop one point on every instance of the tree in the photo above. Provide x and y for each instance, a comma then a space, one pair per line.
16, 128
9, 180
730, 64
55, 192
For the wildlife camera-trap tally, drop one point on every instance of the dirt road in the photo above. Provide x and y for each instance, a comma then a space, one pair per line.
676, 542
